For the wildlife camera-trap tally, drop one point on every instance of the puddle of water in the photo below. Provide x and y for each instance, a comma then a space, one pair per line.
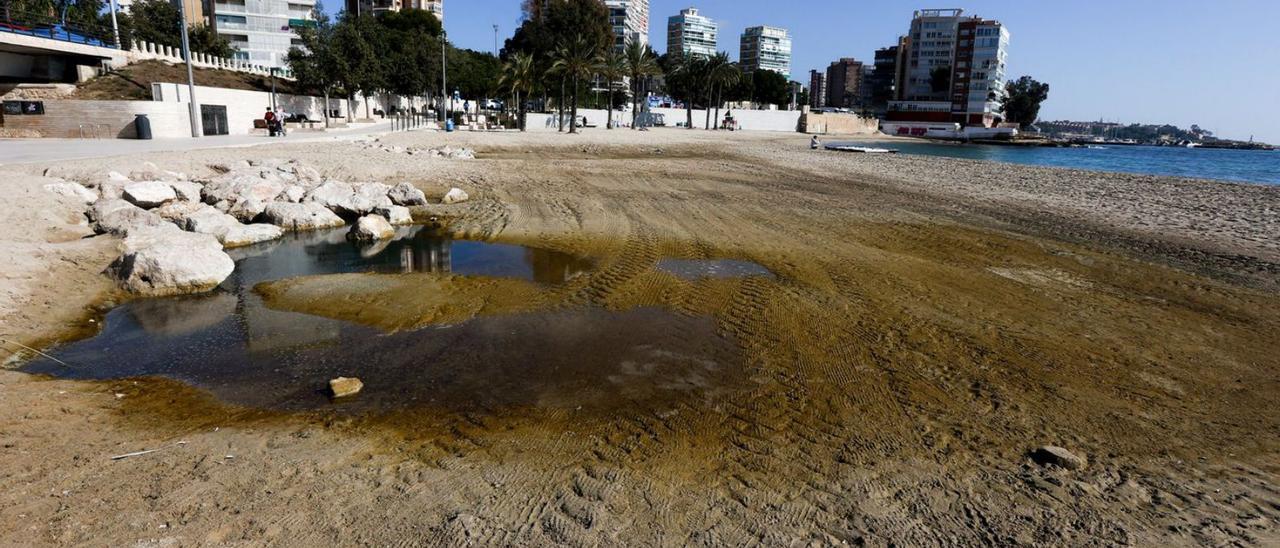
697, 269
231, 344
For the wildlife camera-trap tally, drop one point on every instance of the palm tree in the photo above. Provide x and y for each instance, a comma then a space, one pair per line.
577, 61
641, 63
686, 77
518, 76
713, 66
723, 74
556, 71
613, 68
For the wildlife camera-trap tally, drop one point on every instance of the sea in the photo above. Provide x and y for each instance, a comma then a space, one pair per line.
1245, 166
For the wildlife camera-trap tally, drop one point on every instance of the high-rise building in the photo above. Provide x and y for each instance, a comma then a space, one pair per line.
844, 83
951, 68
880, 83
630, 21
767, 48
379, 6
691, 34
817, 89
262, 31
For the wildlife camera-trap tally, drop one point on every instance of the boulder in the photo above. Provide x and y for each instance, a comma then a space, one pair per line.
455, 195
74, 190
396, 215
342, 387
208, 220
235, 187
116, 176
119, 217
405, 194
304, 216
370, 228
342, 199
1058, 456
239, 235
148, 194
306, 174
158, 261
374, 192
292, 193
247, 210
177, 212
187, 191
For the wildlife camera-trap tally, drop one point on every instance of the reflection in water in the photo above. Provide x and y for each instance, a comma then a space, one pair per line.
232, 344
696, 269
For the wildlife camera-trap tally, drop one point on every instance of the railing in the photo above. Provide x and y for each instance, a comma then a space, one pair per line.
45, 25
141, 51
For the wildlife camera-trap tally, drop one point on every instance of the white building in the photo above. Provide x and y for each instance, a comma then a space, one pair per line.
766, 48
630, 21
692, 34
262, 30
951, 69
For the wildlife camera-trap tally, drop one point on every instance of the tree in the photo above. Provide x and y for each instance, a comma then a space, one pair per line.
721, 73
770, 87
613, 68
1022, 100
576, 61
158, 22
681, 72
518, 76
641, 64
317, 64
363, 69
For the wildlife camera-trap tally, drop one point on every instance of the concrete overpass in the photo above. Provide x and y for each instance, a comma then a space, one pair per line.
27, 58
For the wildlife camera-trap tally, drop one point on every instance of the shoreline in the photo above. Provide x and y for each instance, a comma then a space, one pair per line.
931, 323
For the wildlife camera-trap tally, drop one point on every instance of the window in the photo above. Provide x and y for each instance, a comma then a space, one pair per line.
231, 19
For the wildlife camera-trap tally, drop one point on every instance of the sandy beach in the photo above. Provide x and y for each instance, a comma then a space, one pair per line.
929, 323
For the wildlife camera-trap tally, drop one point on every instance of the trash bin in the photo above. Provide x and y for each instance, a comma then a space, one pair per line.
448, 125
142, 126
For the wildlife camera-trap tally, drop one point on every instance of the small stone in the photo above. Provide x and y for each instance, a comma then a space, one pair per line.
1058, 456
455, 195
75, 190
342, 387
148, 194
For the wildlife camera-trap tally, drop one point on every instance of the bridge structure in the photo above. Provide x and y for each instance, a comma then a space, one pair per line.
35, 49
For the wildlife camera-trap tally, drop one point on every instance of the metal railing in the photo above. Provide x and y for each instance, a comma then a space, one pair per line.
45, 25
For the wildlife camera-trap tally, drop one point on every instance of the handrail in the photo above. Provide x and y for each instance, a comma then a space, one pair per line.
44, 25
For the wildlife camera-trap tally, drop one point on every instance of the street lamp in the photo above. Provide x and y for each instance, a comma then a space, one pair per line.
191, 78
444, 77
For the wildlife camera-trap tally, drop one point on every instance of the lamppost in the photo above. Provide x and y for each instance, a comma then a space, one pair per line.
445, 98
191, 78
115, 27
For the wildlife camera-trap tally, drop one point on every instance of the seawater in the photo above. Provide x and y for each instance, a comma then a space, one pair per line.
1247, 166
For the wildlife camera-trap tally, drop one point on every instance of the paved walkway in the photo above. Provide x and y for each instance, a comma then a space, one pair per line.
26, 151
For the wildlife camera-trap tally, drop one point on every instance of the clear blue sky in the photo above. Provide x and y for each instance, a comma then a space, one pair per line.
1210, 62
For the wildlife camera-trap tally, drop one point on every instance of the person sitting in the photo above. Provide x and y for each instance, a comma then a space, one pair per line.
814, 143
270, 119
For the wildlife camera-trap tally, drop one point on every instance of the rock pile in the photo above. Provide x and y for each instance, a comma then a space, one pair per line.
447, 151
175, 227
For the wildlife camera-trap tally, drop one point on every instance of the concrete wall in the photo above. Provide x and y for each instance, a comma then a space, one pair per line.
838, 124
102, 119
749, 120
243, 106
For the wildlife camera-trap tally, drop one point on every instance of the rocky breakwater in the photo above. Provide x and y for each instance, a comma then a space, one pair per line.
175, 228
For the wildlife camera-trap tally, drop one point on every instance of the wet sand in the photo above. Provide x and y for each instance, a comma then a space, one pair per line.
928, 323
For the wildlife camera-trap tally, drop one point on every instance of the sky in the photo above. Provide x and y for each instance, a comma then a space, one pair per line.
1215, 63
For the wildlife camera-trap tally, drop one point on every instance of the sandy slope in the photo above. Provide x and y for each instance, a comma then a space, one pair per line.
932, 321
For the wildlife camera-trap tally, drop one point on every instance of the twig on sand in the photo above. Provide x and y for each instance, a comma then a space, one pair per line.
16, 343
147, 452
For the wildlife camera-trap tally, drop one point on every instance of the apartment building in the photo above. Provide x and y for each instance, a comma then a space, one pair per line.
692, 34
630, 21
767, 48
262, 31
844, 83
378, 6
817, 89
951, 68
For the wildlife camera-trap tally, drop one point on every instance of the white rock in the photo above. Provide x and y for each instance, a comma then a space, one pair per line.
241, 235
208, 220
168, 261
247, 210
75, 190
396, 215
187, 190
118, 177
117, 216
1058, 456
292, 193
406, 194
177, 212
236, 187
371, 227
342, 199
148, 194
455, 195
304, 216
306, 174
374, 192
